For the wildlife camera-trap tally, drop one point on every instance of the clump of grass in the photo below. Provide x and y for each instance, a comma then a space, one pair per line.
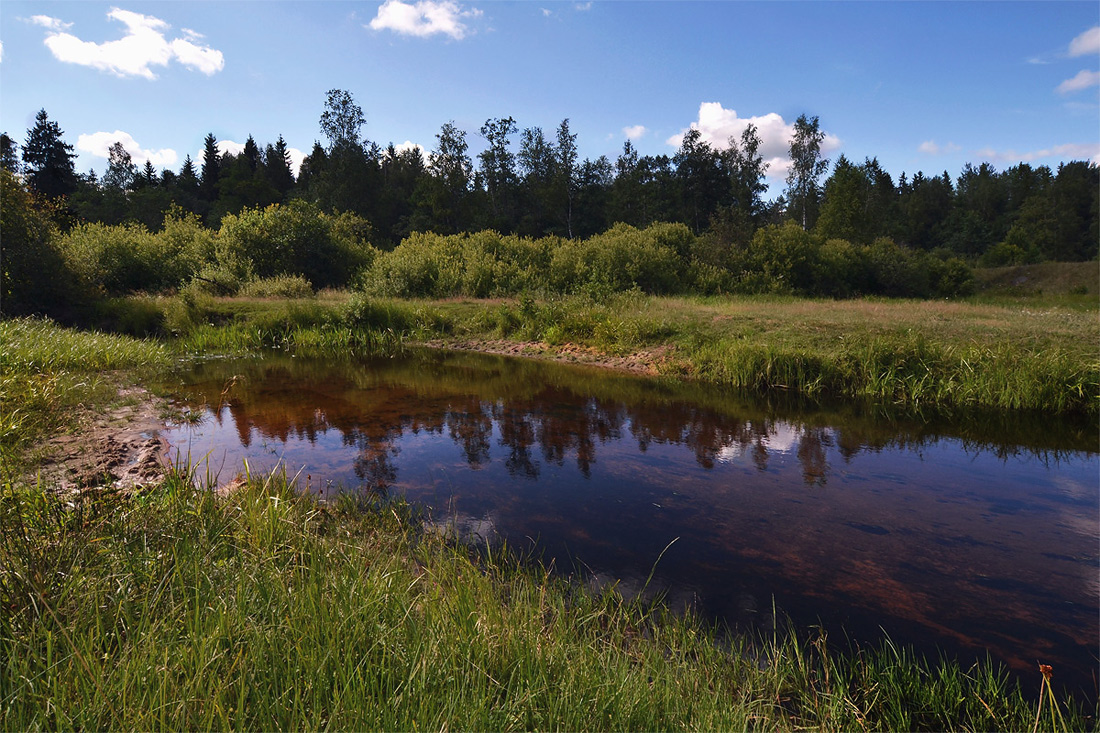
267, 609
46, 371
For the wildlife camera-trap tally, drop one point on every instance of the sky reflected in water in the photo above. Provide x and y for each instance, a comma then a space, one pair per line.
973, 536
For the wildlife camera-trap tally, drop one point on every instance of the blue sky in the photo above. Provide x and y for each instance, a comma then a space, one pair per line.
921, 85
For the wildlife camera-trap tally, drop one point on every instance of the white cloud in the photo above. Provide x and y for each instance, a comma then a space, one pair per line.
227, 147
931, 147
634, 132
1083, 80
1086, 44
99, 143
52, 24
424, 18
546, 13
581, 7
718, 125
143, 47
1070, 151
296, 158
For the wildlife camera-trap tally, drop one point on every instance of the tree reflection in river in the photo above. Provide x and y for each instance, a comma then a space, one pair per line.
975, 534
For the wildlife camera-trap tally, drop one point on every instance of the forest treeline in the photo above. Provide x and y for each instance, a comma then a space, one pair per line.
357, 213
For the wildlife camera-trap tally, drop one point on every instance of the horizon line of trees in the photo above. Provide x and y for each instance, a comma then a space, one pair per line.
533, 184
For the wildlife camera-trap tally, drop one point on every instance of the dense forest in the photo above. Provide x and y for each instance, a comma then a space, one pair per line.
840, 228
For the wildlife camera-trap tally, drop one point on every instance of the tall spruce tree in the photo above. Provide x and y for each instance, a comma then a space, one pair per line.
48, 160
211, 169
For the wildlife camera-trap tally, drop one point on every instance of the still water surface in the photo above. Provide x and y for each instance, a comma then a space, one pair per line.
968, 537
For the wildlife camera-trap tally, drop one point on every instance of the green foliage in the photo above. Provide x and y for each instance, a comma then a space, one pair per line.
35, 276
293, 239
781, 259
122, 259
481, 265
653, 259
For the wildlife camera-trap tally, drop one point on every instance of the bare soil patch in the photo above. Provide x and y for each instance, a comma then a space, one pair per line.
645, 361
120, 449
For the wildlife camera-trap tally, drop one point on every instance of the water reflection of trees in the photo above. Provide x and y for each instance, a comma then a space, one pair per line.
534, 420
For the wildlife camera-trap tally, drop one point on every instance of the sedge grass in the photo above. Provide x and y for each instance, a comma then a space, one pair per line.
267, 609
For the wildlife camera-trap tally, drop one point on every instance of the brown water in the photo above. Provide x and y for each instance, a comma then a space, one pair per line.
968, 537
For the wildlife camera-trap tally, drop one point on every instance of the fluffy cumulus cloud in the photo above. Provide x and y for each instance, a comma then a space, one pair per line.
424, 18
1070, 151
143, 47
296, 158
634, 132
1083, 80
931, 147
718, 125
1086, 44
99, 143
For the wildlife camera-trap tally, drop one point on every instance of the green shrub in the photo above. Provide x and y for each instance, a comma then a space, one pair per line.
781, 259
479, 265
843, 270
294, 239
122, 259
1006, 253
653, 259
34, 276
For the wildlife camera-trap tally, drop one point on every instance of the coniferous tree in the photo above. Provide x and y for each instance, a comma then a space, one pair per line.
211, 169
277, 167
188, 178
9, 154
48, 160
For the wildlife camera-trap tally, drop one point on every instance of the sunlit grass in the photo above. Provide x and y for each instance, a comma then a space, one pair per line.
47, 371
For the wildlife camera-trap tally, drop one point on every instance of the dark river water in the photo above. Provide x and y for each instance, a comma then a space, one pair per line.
965, 537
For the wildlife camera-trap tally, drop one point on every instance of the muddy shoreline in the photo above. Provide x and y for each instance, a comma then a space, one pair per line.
122, 447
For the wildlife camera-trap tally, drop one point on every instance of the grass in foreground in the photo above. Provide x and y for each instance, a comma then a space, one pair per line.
263, 610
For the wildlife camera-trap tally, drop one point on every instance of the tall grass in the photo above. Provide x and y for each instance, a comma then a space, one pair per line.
266, 609
46, 371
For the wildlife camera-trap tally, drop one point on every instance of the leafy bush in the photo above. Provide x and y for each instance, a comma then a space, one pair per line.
653, 259
780, 259
293, 239
480, 265
35, 277
122, 259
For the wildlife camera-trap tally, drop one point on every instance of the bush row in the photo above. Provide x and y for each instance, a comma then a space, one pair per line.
662, 258
282, 250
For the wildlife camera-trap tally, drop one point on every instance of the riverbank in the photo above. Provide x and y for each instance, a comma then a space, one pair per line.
1013, 353
159, 604
258, 607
